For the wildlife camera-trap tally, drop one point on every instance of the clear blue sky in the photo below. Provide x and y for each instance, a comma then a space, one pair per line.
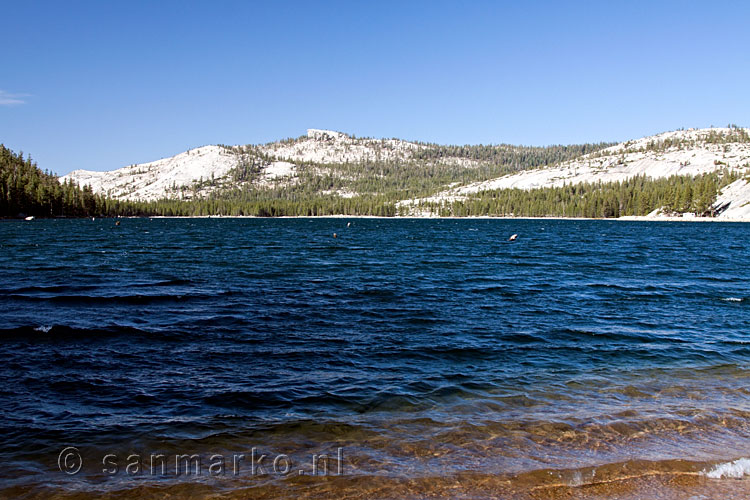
103, 84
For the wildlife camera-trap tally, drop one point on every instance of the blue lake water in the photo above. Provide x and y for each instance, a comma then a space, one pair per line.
421, 350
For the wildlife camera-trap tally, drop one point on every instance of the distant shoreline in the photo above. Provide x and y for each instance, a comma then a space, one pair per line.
626, 218
642, 218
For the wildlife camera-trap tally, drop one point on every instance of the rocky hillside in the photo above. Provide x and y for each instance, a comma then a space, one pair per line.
680, 153
733, 203
159, 179
198, 172
684, 152
323, 162
411, 175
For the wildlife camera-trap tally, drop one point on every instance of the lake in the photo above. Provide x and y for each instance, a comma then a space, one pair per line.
401, 358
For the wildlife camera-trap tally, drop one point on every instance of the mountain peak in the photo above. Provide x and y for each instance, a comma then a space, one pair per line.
325, 135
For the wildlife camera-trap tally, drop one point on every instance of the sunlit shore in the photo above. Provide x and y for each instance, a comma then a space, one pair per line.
643, 218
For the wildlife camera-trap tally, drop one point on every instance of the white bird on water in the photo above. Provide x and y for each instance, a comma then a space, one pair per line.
513, 237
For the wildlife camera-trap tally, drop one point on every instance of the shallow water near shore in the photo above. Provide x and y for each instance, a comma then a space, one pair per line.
423, 358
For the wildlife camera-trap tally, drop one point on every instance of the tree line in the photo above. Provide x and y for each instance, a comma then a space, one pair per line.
636, 196
27, 190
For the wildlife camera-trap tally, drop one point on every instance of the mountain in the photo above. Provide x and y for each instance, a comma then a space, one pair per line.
158, 179
348, 166
427, 179
685, 152
198, 172
680, 153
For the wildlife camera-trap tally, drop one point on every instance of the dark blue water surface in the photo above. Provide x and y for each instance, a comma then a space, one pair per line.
424, 347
